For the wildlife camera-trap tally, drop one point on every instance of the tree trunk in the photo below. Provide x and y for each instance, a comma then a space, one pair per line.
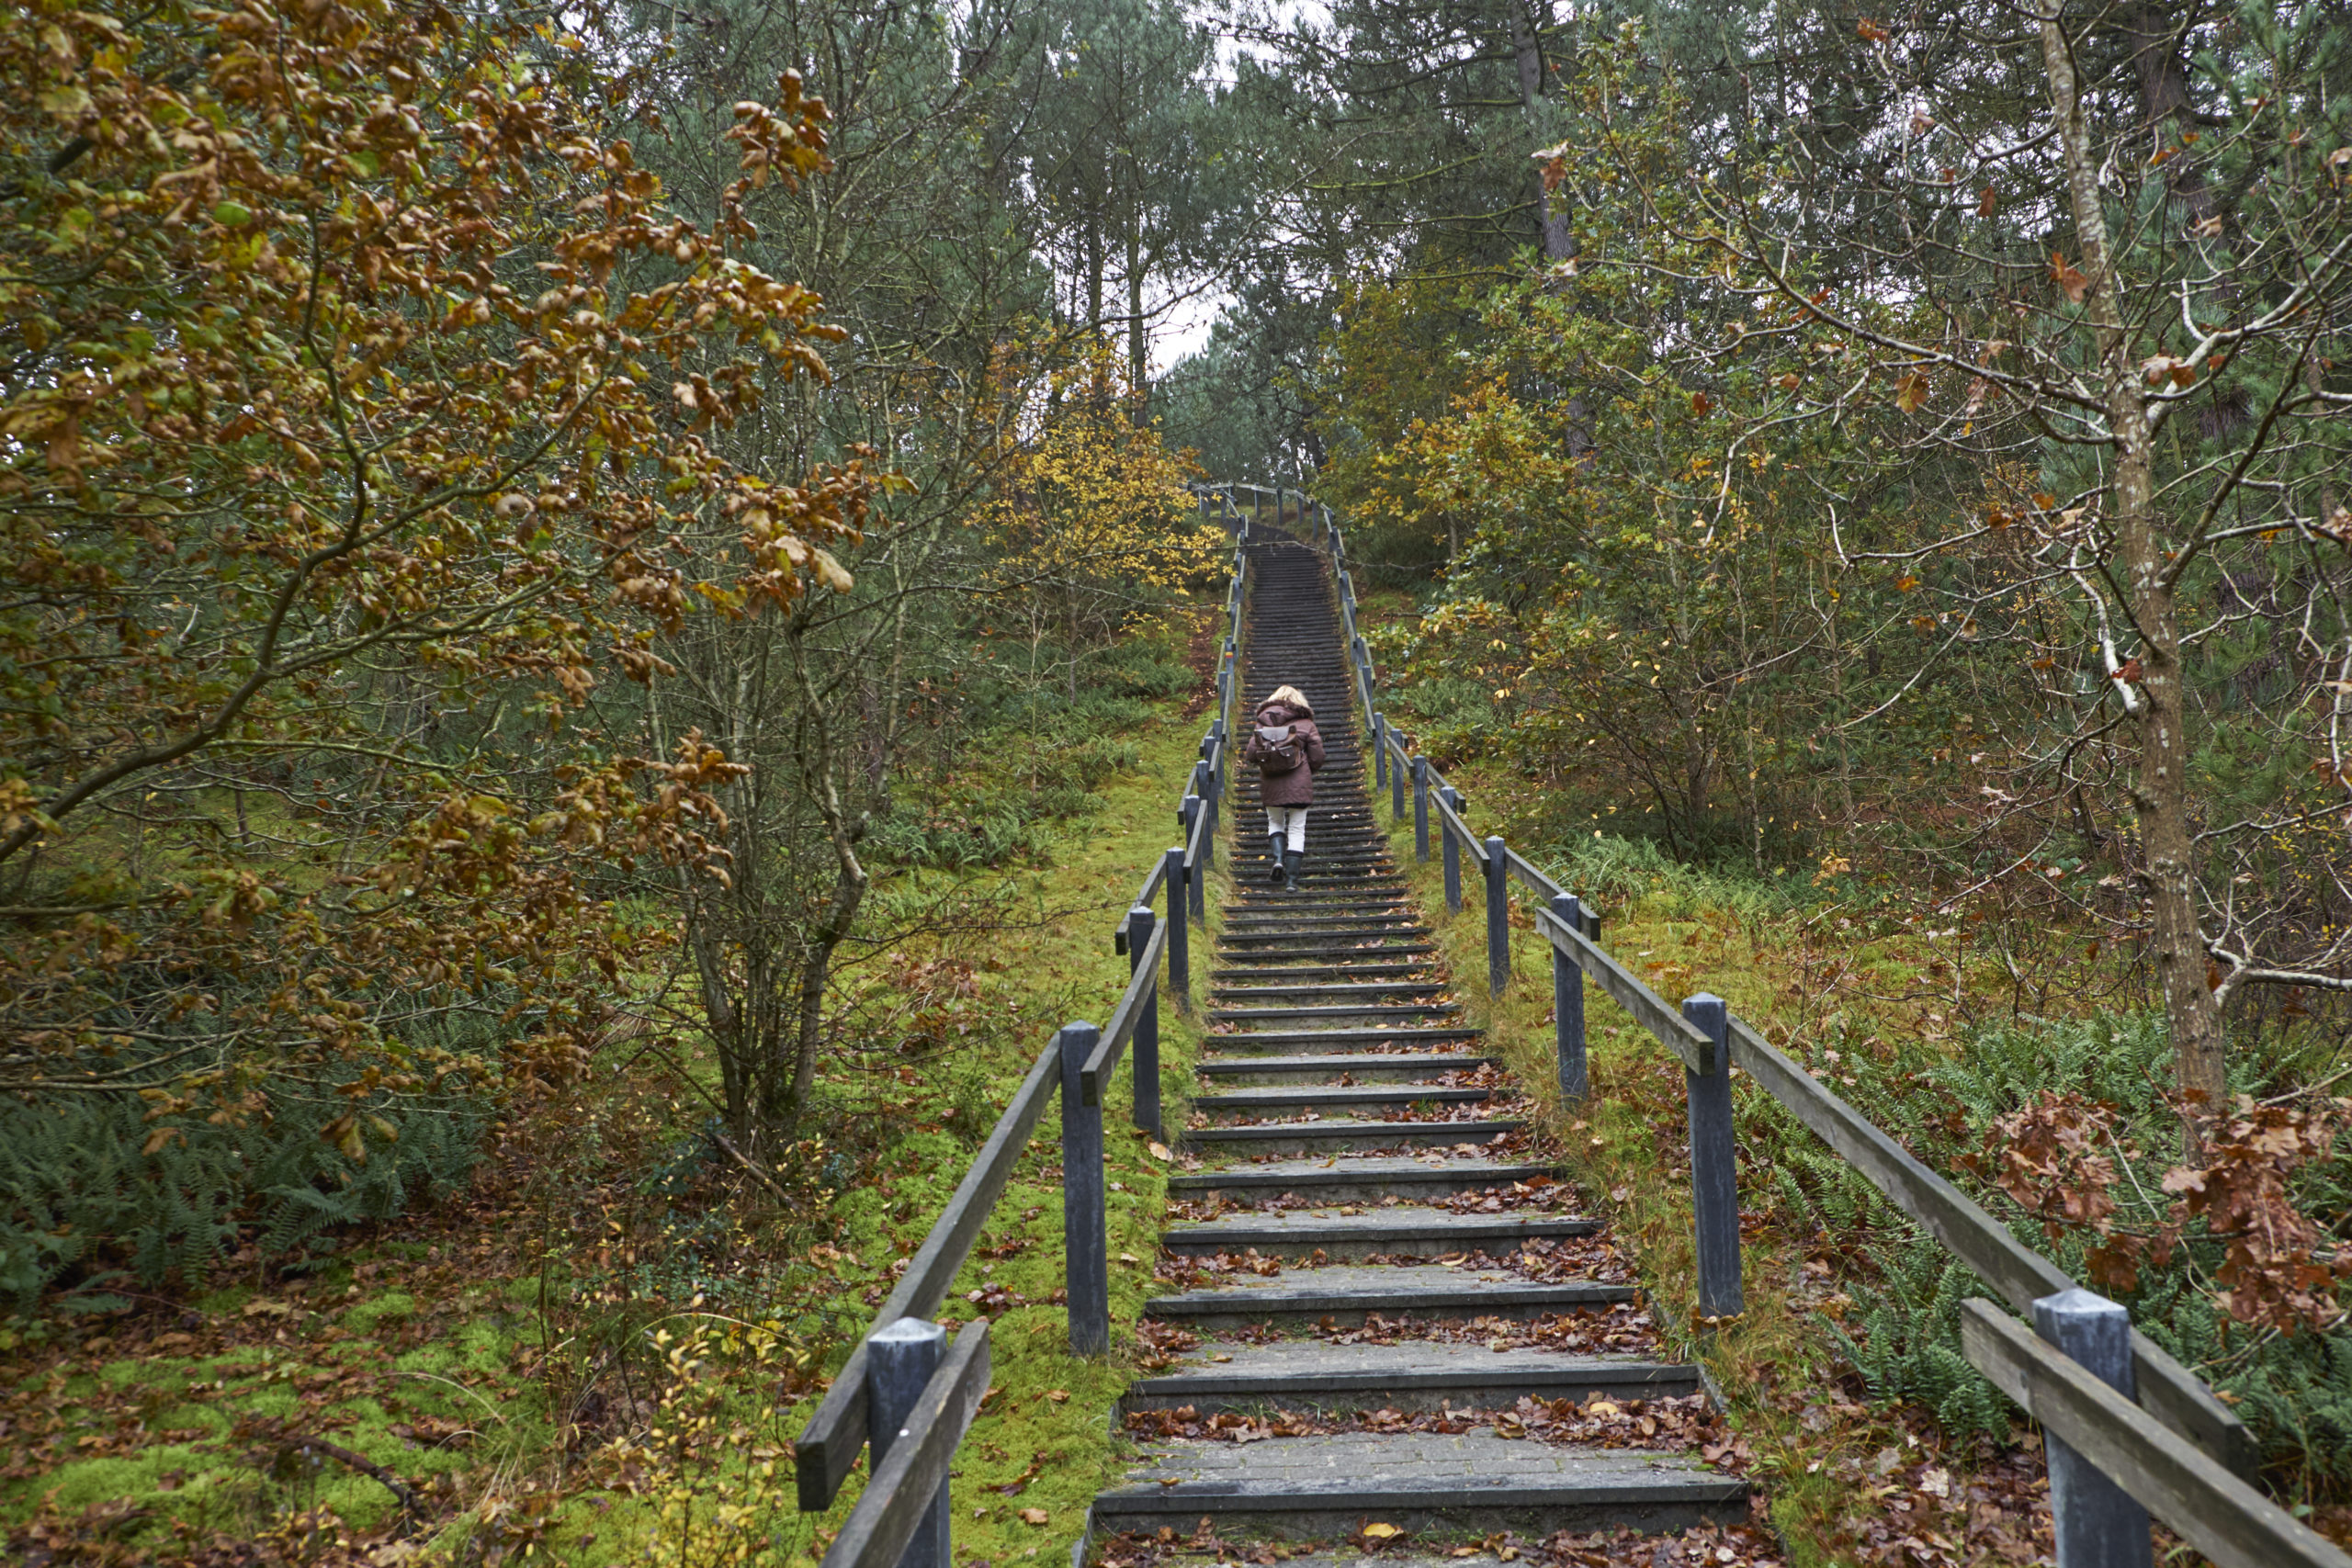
2154, 36
2160, 790
1138, 369
1527, 52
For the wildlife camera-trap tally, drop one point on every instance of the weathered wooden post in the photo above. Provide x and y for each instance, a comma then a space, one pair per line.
1567, 1007
1194, 893
1146, 1043
2097, 1522
1420, 808
1396, 780
900, 1359
1498, 917
1379, 752
1452, 852
1205, 786
1179, 940
1714, 1165
1085, 1241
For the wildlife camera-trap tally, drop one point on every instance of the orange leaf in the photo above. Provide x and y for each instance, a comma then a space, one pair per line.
2069, 277
1701, 403
1988, 202
1911, 392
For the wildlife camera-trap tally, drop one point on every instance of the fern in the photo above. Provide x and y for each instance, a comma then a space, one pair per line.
78, 1196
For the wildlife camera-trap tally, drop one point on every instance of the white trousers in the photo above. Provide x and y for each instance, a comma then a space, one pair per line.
1289, 823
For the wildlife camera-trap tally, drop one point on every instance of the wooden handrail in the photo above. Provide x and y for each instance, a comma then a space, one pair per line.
2216, 1512
830, 1444
2168, 1391
1650, 1009
895, 1502
1104, 1059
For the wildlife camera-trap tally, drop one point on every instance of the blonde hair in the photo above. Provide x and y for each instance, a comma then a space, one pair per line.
1289, 696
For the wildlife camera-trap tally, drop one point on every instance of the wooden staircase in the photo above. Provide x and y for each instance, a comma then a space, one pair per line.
1372, 1267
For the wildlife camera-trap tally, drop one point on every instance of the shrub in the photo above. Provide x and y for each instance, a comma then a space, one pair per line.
85, 1198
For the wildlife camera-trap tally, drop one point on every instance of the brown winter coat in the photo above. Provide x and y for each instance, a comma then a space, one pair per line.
1295, 787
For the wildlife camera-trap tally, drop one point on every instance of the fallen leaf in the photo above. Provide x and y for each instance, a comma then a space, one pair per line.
1058, 1396
1035, 1516
2069, 277
1160, 1151
1381, 1532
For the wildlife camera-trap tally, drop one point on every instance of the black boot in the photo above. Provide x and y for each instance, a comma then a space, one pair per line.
1291, 860
1275, 875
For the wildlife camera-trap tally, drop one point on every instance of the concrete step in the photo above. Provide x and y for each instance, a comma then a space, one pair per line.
1224, 974
1281, 1041
1341, 991
1350, 1236
1473, 1482
1400, 1066
1330, 954
1310, 1375
1335, 1135
1366, 1013
1364, 1178
1344, 1293
1274, 1101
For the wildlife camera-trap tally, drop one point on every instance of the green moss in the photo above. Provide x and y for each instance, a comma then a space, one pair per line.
372, 1315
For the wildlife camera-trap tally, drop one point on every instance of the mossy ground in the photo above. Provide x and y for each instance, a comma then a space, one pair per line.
589, 1360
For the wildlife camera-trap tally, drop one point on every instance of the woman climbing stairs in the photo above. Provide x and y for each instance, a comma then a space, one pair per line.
1382, 1310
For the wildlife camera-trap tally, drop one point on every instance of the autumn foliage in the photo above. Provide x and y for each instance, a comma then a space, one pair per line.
357, 373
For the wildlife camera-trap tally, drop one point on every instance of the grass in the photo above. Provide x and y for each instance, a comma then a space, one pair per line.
460, 1350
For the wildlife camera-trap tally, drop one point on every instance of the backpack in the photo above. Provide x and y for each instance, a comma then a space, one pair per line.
1278, 749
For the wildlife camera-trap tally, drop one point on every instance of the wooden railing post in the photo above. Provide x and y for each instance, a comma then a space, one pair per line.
1715, 1165
1146, 1047
1453, 852
1085, 1242
1379, 752
1498, 917
1567, 1007
1420, 808
1396, 779
900, 1359
1195, 885
2097, 1523
1179, 941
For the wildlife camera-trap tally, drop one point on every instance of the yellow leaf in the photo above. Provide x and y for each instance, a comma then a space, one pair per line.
1911, 392
836, 579
1381, 1532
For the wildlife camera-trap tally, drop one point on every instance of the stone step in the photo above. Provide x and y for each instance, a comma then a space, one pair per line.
1277, 1040
1224, 973
1367, 1178
1366, 1013
1341, 989
1346, 1293
1303, 919
1335, 1135
1412, 1229
1309, 1375
1400, 1066
1310, 1096
1474, 1483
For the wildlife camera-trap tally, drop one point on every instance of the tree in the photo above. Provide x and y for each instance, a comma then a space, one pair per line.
338, 441
2149, 401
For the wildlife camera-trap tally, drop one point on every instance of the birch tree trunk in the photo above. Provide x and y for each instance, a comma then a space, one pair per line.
2160, 789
